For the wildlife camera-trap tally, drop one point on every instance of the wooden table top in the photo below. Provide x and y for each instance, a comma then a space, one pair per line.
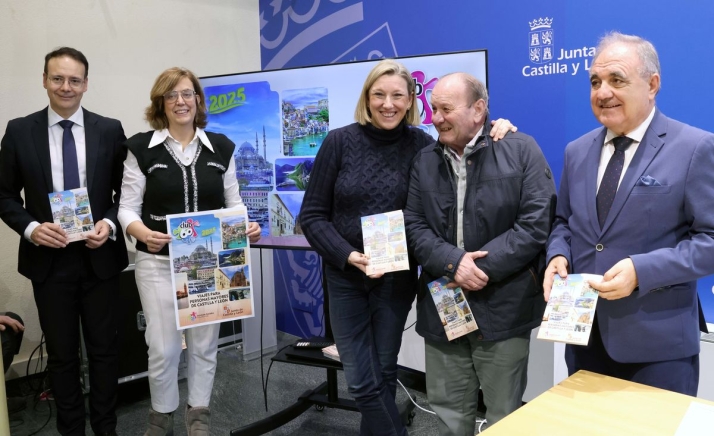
587, 403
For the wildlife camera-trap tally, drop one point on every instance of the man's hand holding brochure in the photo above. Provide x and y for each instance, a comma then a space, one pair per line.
570, 312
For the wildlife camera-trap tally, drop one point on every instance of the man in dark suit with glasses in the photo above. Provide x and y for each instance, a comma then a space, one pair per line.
59, 148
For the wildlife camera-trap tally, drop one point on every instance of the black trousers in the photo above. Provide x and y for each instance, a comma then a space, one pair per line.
73, 294
11, 341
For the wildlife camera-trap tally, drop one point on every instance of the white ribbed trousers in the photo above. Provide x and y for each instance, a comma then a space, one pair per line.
153, 278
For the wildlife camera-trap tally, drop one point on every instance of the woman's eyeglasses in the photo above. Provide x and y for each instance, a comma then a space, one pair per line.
186, 94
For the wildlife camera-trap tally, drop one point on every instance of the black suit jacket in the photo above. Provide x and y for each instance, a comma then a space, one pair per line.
25, 164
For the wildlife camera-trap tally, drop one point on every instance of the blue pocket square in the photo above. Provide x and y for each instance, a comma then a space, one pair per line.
647, 181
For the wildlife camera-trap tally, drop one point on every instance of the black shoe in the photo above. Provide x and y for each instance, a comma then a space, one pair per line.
15, 404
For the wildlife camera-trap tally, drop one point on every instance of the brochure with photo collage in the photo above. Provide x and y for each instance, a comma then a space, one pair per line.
71, 210
454, 310
570, 312
385, 242
211, 272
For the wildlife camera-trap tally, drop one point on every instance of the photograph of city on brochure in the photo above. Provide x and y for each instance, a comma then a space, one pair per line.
570, 312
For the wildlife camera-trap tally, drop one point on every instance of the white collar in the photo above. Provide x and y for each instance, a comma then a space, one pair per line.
54, 118
160, 136
636, 134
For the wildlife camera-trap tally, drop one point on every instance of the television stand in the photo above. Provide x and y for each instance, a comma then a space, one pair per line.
324, 395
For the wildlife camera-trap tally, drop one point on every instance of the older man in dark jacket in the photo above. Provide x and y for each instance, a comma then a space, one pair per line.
479, 213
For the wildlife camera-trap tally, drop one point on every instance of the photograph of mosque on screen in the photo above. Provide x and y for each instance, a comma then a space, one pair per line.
255, 127
255, 176
306, 120
276, 144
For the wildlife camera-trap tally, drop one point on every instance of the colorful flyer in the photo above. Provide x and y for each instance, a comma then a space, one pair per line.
570, 312
70, 209
385, 242
454, 310
211, 272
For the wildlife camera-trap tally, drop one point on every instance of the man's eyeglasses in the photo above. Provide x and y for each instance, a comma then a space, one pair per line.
186, 94
74, 82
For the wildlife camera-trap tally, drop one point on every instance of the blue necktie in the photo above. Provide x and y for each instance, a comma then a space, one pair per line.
611, 178
69, 157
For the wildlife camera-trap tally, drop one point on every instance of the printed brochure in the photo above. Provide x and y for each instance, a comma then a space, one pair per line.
70, 209
211, 272
385, 242
570, 312
454, 310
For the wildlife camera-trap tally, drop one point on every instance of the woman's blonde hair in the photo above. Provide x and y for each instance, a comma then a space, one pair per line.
387, 67
155, 114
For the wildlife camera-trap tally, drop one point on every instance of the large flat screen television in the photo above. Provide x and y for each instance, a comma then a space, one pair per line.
279, 118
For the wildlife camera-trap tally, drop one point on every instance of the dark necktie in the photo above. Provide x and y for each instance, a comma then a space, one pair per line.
611, 178
69, 157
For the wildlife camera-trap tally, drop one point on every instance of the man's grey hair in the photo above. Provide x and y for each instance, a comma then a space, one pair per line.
645, 50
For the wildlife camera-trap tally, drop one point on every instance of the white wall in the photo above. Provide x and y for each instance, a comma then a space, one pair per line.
411, 355
128, 43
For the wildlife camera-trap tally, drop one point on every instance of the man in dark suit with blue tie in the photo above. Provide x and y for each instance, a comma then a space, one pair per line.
636, 204
59, 148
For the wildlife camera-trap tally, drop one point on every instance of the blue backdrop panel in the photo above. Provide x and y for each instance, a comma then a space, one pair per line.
298, 292
538, 55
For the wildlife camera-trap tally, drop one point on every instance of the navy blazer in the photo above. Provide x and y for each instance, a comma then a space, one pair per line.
662, 218
25, 165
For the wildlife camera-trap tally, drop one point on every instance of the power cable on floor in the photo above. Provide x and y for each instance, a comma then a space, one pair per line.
412, 399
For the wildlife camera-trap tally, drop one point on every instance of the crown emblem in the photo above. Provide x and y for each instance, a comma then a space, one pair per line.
541, 23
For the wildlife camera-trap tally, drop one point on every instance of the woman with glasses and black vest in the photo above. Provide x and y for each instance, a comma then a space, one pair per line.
176, 168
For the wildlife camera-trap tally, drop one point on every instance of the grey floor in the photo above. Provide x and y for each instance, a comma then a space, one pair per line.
237, 401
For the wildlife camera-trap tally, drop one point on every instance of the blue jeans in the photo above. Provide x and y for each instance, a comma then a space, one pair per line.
367, 317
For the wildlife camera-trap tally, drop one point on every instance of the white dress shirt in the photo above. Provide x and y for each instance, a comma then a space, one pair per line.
608, 148
133, 184
56, 132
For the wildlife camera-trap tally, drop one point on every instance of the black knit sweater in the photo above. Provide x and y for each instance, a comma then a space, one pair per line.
359, 171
